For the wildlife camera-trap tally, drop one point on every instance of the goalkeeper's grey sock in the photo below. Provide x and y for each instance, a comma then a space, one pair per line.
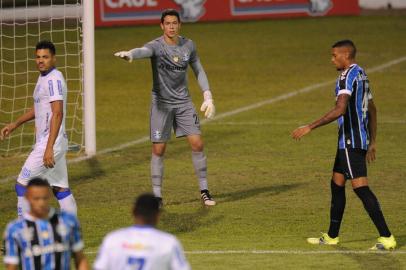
157, 170
200, 165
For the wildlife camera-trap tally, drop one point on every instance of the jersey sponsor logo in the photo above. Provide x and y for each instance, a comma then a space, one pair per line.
37, 250
171, 67
134, 246
51, 88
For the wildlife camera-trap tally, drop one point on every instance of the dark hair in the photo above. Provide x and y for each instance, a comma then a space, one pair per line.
169, 12
346, 43
46, 44
146, 206
38, 182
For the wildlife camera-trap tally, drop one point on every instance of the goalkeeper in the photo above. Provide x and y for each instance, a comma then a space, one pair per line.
171, 104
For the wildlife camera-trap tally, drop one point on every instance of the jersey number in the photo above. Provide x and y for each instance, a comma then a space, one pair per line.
136, 263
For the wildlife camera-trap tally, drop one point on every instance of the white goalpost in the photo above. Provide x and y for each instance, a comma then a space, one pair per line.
69, 24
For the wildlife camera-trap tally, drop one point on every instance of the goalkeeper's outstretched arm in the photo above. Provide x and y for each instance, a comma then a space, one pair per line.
137, 53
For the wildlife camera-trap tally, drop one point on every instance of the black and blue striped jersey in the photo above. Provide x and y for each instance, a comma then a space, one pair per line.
353, 125
42, 244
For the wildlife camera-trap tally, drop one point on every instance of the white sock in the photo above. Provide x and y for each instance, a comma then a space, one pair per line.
67, 202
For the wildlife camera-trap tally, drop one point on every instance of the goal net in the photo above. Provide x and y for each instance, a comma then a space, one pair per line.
22, 24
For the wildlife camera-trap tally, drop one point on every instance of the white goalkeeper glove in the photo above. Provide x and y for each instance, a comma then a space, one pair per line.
124, 55
208, 106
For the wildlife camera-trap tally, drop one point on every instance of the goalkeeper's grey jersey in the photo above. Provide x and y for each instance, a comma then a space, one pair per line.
169, 71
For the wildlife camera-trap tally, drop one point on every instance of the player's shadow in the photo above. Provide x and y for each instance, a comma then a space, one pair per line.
400, 240
253, 192
93, 169
384, 260
187, 222
245, 194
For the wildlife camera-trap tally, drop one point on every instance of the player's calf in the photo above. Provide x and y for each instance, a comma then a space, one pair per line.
65, 199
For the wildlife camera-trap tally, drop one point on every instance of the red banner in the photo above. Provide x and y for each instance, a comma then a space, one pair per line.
128, 12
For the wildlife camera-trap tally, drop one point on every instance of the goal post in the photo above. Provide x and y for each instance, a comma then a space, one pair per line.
22, 24
89, 78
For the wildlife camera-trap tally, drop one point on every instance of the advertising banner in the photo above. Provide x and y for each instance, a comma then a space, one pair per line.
130, 12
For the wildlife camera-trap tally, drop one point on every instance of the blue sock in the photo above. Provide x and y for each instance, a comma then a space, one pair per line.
22, 204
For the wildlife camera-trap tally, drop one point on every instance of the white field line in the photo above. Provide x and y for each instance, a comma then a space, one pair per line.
283, 123
233, 112
287, 252
252, 106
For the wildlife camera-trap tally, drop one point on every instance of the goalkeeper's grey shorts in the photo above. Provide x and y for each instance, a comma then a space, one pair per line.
183, 120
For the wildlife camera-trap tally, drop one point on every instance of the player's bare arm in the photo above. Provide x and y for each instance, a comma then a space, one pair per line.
8, 129
55, 124
372, 127
137, 53
81, 261
11, 267
334, 114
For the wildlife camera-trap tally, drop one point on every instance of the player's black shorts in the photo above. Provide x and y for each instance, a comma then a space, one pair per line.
351, 162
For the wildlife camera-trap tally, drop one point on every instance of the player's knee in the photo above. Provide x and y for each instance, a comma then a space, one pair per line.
158, 152
197, 147
20, 189
158, 149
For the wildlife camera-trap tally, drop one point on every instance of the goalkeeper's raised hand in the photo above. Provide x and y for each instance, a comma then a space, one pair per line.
208, 106
126, 55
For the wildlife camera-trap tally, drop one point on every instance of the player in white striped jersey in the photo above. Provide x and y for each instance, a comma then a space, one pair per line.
47, 159
141, 246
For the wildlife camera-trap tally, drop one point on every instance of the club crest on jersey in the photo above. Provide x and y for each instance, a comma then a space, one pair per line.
62, 230
45, 234
176, 58
28, 234
185, 57
157, 134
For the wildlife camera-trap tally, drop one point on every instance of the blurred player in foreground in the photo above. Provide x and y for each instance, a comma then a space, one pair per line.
141, 246
357, 123
171, 105
47, 159
43, 238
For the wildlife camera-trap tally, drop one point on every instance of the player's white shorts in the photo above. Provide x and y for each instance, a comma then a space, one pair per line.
34, 167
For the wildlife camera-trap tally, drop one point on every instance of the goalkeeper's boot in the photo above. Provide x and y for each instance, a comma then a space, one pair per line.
385, 243
206, 198
323, 240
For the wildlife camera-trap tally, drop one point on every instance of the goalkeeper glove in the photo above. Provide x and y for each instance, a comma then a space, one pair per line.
124, 55
208, 106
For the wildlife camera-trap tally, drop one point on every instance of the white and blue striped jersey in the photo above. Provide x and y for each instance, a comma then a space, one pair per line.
42, 244
141, 248
353, 125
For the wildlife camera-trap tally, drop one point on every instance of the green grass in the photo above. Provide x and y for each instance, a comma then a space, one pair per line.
272, 192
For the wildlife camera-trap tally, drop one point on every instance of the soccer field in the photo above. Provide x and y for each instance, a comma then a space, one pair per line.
272, 192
